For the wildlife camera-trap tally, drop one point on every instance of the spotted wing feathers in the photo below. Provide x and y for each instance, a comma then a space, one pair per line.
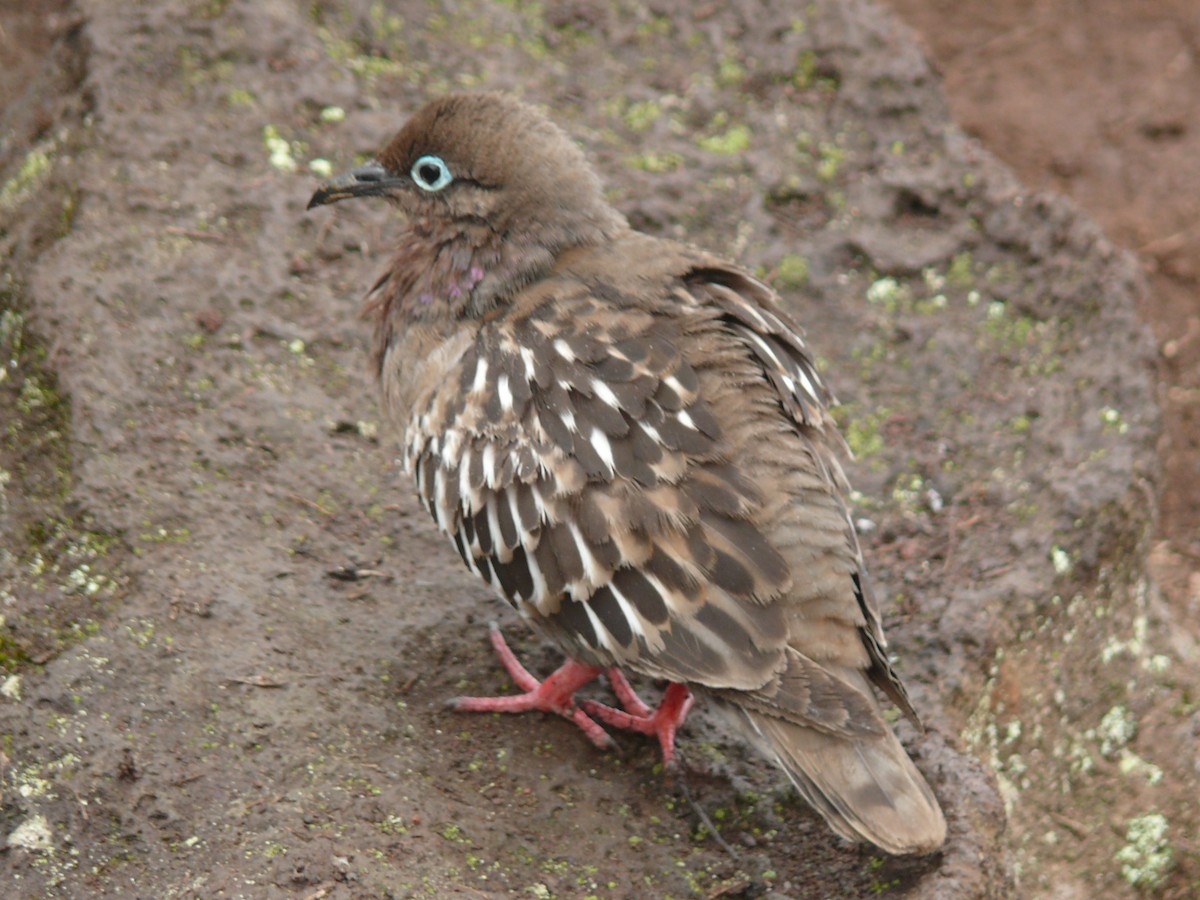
576, 465
578, 470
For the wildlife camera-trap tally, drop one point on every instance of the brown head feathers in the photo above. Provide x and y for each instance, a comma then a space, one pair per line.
487, 161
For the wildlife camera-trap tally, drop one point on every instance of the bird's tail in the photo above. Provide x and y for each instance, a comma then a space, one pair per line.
866, 788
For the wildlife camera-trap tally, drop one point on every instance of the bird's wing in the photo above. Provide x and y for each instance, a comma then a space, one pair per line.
752, 314
585, 459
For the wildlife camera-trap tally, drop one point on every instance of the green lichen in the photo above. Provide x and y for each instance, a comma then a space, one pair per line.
1012, 333
33, 172
640, 116
805, 73
1133, 765
280, 151
876, 884
1113, 421
656, 163
792, 272
162, 535
33, 834
240, 98
961, 272
829, 161
51, 551
655, 26
888, 293
214, 8
863, 431
730, 72
1147, 857
1116, 729
369, 48
197, 67
912, 495
730, 142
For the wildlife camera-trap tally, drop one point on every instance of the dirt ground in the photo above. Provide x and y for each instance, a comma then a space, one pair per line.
227, 629
1101, 102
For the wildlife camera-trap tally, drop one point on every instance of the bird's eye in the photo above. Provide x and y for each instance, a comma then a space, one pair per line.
431, 173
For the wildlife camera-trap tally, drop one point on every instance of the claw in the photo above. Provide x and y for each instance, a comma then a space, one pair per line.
662, 722
556, 694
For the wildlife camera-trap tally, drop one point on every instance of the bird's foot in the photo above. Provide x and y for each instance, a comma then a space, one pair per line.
662, 722
556, 694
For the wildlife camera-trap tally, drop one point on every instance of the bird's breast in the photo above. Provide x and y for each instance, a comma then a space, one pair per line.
417, 365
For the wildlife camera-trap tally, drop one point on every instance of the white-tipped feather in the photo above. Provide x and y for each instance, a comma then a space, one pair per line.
527, 364
564, 350
594, 573
504, 392
673, 383
515, 511
602, 635
493, 520
489, 466
540, 592
603, 448
441, 513
604, 392
627, 610
481, 373
808, 385
464, 485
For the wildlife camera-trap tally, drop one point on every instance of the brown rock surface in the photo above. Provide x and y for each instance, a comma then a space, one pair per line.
228, 628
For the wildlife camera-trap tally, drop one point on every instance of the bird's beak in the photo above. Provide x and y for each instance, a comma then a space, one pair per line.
370, 180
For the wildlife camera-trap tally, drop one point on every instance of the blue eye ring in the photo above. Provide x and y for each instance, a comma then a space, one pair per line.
430, 173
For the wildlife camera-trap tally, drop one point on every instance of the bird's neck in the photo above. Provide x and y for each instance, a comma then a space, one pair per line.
438, 279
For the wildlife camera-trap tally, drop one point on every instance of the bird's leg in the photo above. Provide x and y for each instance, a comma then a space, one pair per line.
554, 695
662, 722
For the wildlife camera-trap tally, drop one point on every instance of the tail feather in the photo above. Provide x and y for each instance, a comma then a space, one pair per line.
866, 788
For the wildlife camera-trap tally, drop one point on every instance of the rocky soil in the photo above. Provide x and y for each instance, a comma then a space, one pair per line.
227, 628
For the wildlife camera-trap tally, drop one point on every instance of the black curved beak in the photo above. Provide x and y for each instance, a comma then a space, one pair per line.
370, 180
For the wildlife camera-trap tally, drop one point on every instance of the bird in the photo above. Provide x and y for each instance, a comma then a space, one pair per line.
627, 437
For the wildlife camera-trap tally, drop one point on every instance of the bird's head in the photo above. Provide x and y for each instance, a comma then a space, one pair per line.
471, 160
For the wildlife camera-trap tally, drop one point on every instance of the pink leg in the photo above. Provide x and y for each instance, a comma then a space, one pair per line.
637, 716
555, 695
